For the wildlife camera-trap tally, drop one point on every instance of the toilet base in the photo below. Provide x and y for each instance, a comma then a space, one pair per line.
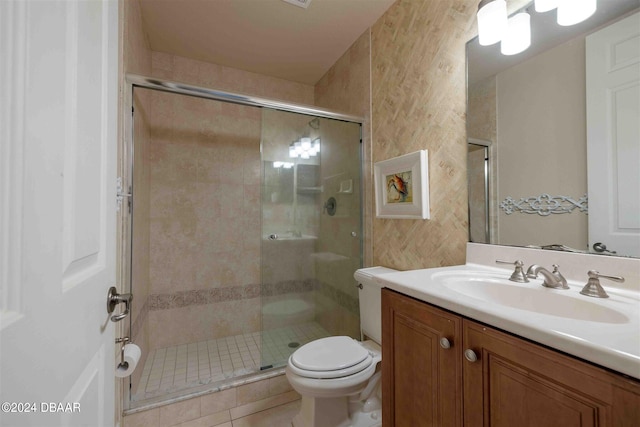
323, 412
334, 412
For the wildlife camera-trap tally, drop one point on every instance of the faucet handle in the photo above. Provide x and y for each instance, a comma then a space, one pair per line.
556, 272
517, 275
593, 287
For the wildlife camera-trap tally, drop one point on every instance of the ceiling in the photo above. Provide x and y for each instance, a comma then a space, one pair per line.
270, 37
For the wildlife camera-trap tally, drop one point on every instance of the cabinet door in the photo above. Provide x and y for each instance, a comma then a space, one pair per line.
518, 383
421, 380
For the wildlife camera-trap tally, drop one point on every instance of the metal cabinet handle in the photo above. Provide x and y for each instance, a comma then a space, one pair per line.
113, 299
445, 343
470, 355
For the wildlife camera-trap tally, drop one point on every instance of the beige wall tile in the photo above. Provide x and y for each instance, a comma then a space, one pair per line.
418, 102
216, 419
262, 405
252, 392
194, 323
143, 419
280, 416
219, 401
179, 412
279, 385
347, 87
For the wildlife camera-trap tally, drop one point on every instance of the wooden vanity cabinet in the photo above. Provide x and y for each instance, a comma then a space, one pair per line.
513, 382
421, 378
518, 383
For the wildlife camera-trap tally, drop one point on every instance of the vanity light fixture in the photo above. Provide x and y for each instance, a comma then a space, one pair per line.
515, 33
571, 12
518, 36
492, 21
546, 5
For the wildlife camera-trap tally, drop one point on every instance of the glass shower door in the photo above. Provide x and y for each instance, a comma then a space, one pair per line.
311, 231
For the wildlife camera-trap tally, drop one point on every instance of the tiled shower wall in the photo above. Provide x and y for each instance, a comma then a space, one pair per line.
204, 270
345, 87
338, 253
171, 298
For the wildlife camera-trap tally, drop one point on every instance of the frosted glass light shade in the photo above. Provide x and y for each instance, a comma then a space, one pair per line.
571, 12
546, 5
518, 36
492, 21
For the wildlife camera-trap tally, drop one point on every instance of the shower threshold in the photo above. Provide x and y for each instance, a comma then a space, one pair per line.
214, 364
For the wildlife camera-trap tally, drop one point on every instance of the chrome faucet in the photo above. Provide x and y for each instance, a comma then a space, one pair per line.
517, 275
552, 279
593, 288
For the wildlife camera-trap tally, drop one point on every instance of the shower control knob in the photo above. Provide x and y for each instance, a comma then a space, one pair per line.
470, 355
445, 343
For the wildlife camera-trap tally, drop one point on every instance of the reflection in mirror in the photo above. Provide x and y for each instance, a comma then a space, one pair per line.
478, 178
543, 127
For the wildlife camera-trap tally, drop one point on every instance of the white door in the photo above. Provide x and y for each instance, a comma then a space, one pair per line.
613, 136
58, 99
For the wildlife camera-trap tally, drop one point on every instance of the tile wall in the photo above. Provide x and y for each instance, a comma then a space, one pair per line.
204, 161
418, 97
245, 405
345, 87
418, 102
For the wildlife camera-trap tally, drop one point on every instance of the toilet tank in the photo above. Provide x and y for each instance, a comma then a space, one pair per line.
370, 300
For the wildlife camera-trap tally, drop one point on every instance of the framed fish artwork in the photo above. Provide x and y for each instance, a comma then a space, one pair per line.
402, 186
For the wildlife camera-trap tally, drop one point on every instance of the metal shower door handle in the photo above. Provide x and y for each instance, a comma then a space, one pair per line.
113, 299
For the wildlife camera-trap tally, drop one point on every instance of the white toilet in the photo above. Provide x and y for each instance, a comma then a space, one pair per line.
339, 377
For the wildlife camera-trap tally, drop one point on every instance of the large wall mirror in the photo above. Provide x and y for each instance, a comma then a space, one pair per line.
554, 135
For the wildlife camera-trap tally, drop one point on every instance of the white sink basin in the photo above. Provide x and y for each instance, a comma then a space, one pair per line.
530, 297
603, 331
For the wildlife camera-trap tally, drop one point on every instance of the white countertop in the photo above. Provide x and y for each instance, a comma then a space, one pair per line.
614, 345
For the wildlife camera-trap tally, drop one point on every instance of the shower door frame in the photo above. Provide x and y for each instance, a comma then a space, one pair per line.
489, 153
126, 155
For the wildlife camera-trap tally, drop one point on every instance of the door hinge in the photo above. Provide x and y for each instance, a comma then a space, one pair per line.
121, 195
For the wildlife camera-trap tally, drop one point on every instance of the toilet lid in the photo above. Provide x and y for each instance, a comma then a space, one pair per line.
331, 354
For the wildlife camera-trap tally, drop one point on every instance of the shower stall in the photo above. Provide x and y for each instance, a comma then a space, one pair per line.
245, 230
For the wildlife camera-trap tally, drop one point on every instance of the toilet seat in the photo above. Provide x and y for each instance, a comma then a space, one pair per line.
331, 357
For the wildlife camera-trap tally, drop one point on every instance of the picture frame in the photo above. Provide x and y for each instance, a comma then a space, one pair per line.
402, 186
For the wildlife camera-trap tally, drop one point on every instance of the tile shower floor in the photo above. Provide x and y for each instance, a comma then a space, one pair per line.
171, 369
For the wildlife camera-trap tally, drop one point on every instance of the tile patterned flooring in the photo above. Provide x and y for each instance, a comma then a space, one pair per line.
173, 369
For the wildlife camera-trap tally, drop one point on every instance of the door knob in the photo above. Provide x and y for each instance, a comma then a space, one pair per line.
602, 248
